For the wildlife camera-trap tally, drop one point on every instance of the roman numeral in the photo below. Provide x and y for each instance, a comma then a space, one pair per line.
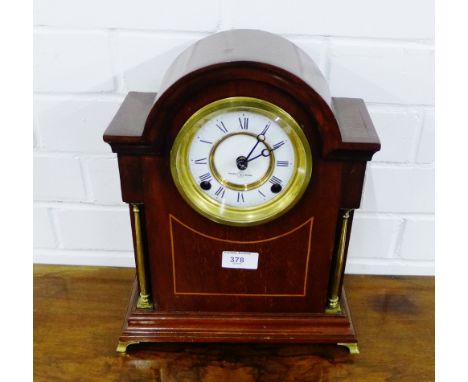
240, 197
265, 129
205, 177
220, 192
201, 161
221, 127
244, 123
202, 140
278, 145
275, 180
282, 163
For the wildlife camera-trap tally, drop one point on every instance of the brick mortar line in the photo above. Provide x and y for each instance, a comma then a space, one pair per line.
393, 215
56, 227
44, 153
390, 42
117, 74
79, 206
422, 106
75, 29
392, 108
419, 135
401, 165
86, 180
81, 96
398, 240
328, 62
383, 261
102, 94
404, 164
90, 250
224, 21
423, 42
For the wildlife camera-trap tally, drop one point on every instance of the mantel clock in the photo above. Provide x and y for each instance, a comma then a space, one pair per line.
241, 175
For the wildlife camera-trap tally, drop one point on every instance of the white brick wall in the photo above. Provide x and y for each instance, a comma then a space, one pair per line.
398, 128
74, 124
94, 229
88, 54
426, 145
72, 62
58, 178
43, 235
174, 15
383, 72
397, 19
104, 180
402, 189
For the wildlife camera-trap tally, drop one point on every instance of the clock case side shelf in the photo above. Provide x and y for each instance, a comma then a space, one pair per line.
124, 132
357, 132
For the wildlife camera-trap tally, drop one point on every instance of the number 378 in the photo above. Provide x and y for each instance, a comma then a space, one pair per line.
237, 259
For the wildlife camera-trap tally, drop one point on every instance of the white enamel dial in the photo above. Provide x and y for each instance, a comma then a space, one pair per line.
241, 158
241, 161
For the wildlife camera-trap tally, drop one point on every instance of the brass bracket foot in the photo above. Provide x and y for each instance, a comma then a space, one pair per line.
144, 302
122, 346
352, 347
333, 307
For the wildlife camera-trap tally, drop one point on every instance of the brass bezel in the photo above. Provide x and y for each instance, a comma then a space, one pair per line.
231, 215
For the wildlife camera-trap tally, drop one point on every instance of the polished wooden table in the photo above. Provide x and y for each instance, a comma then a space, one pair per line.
78, 313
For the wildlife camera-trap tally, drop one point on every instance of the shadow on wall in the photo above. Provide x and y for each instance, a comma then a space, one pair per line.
65, 122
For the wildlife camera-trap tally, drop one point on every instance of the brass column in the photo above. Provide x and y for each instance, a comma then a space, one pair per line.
333, 305
144, 300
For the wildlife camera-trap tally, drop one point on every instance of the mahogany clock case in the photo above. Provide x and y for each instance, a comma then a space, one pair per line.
182, 248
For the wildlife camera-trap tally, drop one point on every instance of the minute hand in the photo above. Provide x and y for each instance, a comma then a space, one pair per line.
260, 138
266, 152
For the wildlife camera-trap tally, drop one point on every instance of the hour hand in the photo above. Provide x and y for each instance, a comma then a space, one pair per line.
267, 152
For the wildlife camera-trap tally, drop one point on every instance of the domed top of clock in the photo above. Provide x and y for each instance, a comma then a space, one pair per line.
248, 46
249, 63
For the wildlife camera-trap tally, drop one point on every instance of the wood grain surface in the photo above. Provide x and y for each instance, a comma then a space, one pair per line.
78, 313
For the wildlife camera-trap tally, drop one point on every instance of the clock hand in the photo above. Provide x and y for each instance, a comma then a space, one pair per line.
261, 154
242, 161
260, 138
253, 148
267, 152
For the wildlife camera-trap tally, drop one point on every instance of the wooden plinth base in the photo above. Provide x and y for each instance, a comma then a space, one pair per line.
152, 326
